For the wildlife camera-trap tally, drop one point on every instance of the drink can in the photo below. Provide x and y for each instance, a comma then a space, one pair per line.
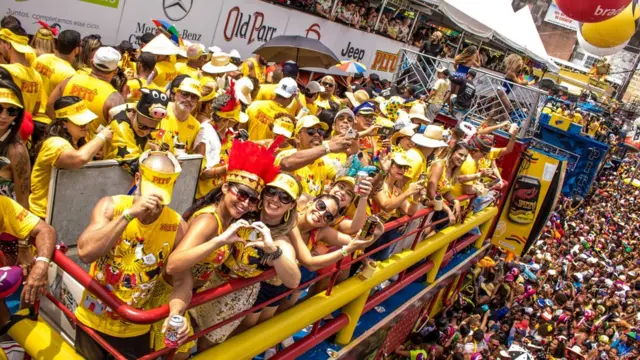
369, 227
171, 334
332, 353
361, 175
422, 177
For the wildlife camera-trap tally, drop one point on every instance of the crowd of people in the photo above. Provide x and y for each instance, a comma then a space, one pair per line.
574, 296
290, 176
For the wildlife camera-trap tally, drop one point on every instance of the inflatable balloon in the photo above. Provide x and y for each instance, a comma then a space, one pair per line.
612, 32
591, 11
597, 51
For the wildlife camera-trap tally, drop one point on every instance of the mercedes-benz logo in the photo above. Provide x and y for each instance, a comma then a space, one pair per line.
176, 10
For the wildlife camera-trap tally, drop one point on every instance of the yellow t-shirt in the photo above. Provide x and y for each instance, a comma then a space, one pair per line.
130, 270
185, 69
261, 115
593, 128
165, 73
178, 132
29, 82
95, 93
266, 92
313, 177
322, 103
41, 174
134, 86
206, 185
259, 70
417, 164
53, 70
16, 220
577, 119
468, 167
313, 108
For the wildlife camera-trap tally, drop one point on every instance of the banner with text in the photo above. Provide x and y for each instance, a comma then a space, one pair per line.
194, 20
87, 17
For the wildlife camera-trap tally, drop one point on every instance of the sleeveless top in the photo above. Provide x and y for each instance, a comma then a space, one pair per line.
244, 261
95, 93
463, 69
258, 69
203, 270
444, 184
130, 270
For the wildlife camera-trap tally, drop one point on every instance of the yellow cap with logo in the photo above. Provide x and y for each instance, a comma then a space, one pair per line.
287, 183
156, 182
192, 86
9, 97
19, 42
77, 113
284, 126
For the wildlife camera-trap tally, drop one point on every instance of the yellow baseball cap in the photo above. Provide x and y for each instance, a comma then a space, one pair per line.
191, 85
308, 121
400, 159
283, 126
77, 113
20, 43
347, 179
287, 183
9, 97
156, 182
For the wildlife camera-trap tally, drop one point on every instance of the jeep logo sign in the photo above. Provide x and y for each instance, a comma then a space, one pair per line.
352, 52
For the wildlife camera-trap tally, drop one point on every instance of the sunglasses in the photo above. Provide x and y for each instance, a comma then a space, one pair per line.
11, 110
327, 216
189, 95
142, 127
243, 195
284, 198
326, 84
313, 131
402, 167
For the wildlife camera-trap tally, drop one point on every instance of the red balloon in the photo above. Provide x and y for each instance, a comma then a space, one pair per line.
591, 11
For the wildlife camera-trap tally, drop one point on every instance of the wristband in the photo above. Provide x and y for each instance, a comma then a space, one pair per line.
127, 216
327, 150
344, 251
42, 258
101, 137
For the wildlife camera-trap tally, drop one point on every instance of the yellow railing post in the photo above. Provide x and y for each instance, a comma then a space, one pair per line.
484, 230
436, 258
353, 310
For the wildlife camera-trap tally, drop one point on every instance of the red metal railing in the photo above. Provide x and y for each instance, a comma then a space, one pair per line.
318, 334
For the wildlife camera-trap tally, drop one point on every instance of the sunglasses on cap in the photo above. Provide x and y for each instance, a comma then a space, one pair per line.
283, 197
11, 110
243, 195
313, 131
327, 216
327, 84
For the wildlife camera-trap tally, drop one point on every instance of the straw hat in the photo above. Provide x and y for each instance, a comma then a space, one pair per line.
418, 111
243, 89
357, 98
161, 45
220, 63
404, 132
432, 137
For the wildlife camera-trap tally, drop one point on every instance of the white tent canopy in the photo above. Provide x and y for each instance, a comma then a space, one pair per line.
496, 19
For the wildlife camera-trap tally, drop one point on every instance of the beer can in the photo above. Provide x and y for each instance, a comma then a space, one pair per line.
361, 175
171, 334
422, 177
369, 227
332, 353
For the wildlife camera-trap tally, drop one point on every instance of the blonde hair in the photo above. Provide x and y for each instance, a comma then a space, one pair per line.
466, 55
436, 36
513, 63
43, 42
89, 45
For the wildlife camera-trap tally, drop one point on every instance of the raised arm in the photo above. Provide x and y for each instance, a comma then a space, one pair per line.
302, 158
76, 159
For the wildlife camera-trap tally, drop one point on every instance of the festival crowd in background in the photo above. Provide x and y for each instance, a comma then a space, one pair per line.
290, 175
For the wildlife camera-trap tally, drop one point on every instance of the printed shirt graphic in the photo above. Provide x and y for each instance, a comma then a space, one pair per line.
129, 270
313, 177
29, 81
15, 219
95, 93
53, 71
261, 115
176, 132
125, 144
203, 270
165, 73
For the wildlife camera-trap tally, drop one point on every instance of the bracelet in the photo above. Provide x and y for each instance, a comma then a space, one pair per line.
101, 137
127, 216
344, 251
327, 149
266, 258
43, 258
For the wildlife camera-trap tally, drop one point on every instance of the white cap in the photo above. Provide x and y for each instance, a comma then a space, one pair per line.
106, 58
215, 49
235, 54
287, 87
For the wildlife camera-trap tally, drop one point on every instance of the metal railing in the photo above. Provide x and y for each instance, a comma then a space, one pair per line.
318, 333
495, 96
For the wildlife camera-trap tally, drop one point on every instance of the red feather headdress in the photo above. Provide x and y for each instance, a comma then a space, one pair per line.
53, 27
251, 164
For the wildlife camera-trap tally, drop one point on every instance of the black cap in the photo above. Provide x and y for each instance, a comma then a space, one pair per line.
290, 69
358, 76
374, 77
146, 38
472, 73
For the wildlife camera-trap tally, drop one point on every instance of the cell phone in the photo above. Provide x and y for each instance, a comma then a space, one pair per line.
352, 133
385, 132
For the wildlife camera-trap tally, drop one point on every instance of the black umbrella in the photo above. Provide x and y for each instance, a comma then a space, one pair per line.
304, 51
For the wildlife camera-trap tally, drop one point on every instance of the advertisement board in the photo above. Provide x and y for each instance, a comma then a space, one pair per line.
100, 17
194, 20
523, 204
557, 17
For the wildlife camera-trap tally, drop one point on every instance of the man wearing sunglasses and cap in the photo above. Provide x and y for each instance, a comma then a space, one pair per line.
132, 127
127, 243
306, 161
180, 127
14, 46
95, 89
